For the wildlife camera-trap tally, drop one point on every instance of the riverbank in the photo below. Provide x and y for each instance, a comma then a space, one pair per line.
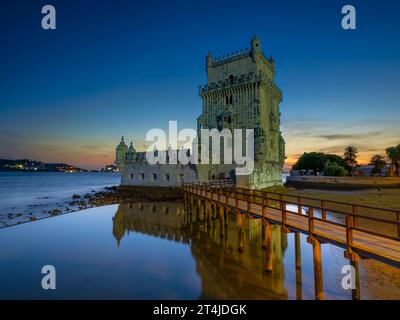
384, 198
342, 183
77, 202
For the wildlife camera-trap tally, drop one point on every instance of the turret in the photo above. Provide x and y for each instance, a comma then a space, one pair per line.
120, 155
208, 61
255, 46
131, 148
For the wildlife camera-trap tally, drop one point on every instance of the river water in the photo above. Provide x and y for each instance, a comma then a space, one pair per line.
158, 251
20, 191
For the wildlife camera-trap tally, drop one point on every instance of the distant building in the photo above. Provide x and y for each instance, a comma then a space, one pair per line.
110, 168
366, 171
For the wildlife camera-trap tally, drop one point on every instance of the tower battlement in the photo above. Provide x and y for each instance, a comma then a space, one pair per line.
235, 82
241, 93
239, 62
243, 53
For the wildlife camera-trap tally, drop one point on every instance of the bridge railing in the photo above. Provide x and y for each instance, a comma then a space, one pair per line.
351, 216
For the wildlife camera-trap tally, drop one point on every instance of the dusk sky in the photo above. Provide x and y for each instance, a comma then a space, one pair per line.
114, 68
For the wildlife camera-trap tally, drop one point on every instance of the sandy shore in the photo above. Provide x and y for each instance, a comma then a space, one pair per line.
77, 202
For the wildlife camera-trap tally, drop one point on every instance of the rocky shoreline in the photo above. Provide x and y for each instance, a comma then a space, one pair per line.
78, 202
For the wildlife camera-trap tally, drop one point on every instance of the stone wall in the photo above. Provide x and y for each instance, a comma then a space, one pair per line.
343, 182
159, 175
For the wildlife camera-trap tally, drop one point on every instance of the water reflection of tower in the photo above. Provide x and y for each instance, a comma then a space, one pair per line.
150, 219
224, 272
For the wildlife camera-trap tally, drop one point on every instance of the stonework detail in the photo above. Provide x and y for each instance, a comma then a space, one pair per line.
241, 94
136, 171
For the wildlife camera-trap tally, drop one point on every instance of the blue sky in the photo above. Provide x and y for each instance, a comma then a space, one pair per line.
115, 68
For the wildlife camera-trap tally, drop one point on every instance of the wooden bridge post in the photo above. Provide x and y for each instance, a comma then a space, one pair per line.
187, 208
197, 207
226, 214
355, 210
323, 211
299, 207
239, 221
356, 293
264, 207
206, 209
297, 249
317, 260
398, 223
349, 237
193, 204
299, 291
264, 242
203, 209
311, 221
282, 205
221, 221
267, 244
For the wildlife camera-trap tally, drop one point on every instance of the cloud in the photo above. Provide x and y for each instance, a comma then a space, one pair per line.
337, 136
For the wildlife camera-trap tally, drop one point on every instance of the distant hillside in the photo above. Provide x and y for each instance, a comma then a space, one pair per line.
36, 166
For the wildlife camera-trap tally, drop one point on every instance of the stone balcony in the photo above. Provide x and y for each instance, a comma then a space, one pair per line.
230, 83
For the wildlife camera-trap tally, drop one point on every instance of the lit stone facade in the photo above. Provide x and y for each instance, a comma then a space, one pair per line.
241, 94
136, 171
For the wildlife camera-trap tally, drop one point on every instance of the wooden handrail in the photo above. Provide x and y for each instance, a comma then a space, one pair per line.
307, 198
352, 248
360, 206
249, 198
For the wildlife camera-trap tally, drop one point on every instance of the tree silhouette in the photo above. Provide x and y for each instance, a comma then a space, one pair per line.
378, 162
393, 154
350, 156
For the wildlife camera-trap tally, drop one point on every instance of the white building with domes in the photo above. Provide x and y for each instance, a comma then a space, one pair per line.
136, 171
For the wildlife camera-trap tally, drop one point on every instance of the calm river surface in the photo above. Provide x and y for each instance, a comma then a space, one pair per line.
155, 251
19, 191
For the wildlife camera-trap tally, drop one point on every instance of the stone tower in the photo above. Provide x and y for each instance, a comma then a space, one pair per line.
241, 94
120, 155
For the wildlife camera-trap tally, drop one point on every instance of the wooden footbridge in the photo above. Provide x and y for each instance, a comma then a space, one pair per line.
363, 231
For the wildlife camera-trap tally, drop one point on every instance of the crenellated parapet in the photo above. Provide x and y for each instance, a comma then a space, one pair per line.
141, 157
234, 56
243, 80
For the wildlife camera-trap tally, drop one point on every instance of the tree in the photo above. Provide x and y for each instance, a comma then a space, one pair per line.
350, 156
311, 161
315, 161
332, 169
378, 162
393, 154
339, 160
